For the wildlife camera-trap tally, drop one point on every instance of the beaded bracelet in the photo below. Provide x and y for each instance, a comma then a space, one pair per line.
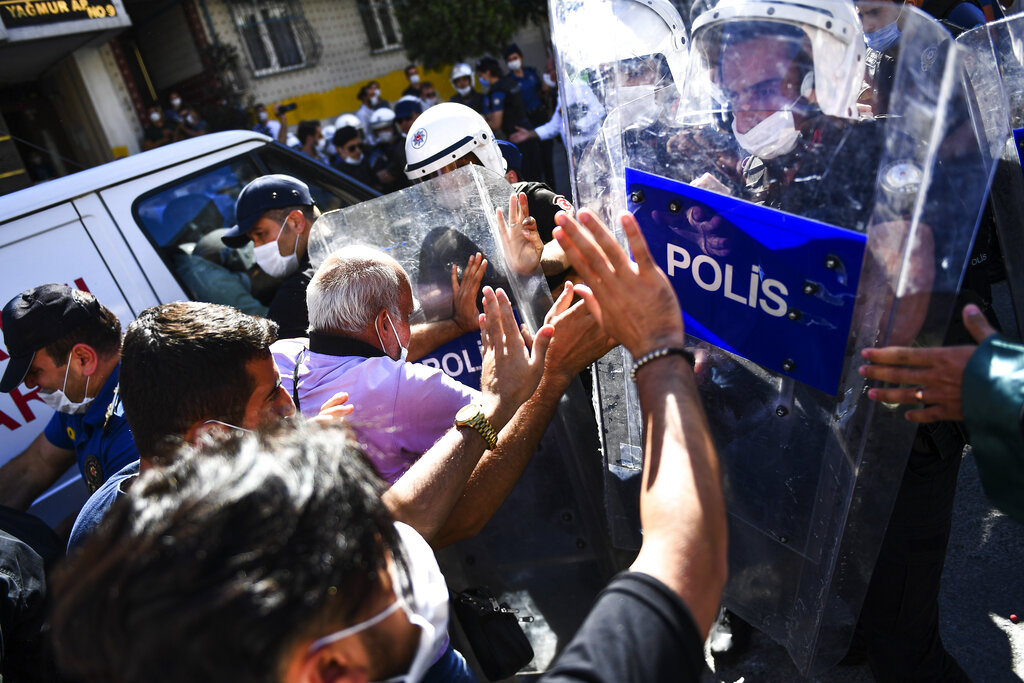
658, 353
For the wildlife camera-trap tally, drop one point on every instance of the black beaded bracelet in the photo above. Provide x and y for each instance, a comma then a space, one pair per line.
658, 353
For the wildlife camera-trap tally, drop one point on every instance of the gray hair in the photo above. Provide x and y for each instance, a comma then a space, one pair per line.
350, 288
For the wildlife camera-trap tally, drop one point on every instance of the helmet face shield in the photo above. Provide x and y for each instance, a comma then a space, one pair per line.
819, 48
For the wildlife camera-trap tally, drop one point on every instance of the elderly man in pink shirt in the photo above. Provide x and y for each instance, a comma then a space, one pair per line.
359, 305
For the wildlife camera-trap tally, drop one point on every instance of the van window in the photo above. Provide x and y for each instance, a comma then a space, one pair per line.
185, 223
328, 193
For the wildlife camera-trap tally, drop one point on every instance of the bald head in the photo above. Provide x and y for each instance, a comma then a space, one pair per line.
351, 287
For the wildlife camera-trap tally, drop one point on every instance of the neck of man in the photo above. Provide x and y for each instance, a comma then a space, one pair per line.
105, 366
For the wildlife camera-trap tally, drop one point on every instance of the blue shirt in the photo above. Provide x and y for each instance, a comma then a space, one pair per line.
102, 445
91, 514
529, 88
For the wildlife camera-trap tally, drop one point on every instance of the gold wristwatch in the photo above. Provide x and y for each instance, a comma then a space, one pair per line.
473, 416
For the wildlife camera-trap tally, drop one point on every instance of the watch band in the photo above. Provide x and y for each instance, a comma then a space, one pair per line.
479, 422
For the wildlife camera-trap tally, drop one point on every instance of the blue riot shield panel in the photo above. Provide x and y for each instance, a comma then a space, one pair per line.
778, 149
775, 288
545, 551
996, 77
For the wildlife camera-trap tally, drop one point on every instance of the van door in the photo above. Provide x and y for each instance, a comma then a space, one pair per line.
54, 245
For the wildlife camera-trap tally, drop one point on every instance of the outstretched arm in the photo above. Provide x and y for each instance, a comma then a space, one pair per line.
682, 508
576, 343
425, 495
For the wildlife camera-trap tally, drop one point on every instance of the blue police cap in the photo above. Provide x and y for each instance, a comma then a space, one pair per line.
513, 157
406, 108
267, 192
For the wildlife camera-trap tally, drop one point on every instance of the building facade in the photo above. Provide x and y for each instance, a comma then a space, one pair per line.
77, 77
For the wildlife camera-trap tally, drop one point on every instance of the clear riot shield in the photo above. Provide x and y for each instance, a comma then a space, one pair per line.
850, 229
545, 551
995, 66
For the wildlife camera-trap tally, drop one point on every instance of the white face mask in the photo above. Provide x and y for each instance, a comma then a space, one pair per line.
374, 99
772, 137
427, 607
429, 102
385, 136
155, 117
175, 103
515, 64
354, 161
414, 79
464, 91
549, 81
59, 401
404, 353
269, 258
263, 117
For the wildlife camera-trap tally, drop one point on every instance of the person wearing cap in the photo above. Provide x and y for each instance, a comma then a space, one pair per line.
462, 80
530, 84
277, 213
407, 110
349, 157
66, 348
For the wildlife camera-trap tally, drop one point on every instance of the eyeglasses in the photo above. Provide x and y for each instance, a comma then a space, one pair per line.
352, 148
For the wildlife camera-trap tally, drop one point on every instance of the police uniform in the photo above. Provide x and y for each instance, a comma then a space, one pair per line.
99, 437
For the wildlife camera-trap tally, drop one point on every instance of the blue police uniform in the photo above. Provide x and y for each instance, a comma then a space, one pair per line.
102, 444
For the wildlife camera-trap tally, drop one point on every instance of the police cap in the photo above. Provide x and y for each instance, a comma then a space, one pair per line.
267, 192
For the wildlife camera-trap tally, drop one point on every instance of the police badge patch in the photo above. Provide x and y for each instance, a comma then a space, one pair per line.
93, 473
419, 138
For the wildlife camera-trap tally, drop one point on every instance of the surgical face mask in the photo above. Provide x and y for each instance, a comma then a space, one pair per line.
404, 353
414, 79
515, 64
426, 607
772, 137
263, 117
385, 136
374, 99
884, 38
354, 161
427, 604
464, 91
484, 83
229, 426
269, 258
549, 81
59, 401
154, 117
429, 102
175, 103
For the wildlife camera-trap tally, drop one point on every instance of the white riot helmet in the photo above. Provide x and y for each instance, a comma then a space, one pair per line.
459, 70
381, 118
351, 121
830, 28
445, 133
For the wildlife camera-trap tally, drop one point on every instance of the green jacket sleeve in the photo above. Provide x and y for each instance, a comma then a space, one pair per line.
993, 399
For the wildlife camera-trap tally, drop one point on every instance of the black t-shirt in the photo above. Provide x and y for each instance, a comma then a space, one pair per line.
545, 203
638, 630
288, 309
473, 100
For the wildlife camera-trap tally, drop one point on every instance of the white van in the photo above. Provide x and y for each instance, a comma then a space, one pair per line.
132, 233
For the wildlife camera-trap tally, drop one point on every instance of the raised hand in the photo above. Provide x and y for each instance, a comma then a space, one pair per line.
510, 371
633, 302
522, 244
464, 294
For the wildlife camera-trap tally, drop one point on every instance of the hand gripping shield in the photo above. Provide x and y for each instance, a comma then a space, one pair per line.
544, 552
786, 266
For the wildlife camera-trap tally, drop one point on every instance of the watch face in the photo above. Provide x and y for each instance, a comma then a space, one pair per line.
467, 413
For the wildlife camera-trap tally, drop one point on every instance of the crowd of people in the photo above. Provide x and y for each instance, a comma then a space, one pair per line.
267, 492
